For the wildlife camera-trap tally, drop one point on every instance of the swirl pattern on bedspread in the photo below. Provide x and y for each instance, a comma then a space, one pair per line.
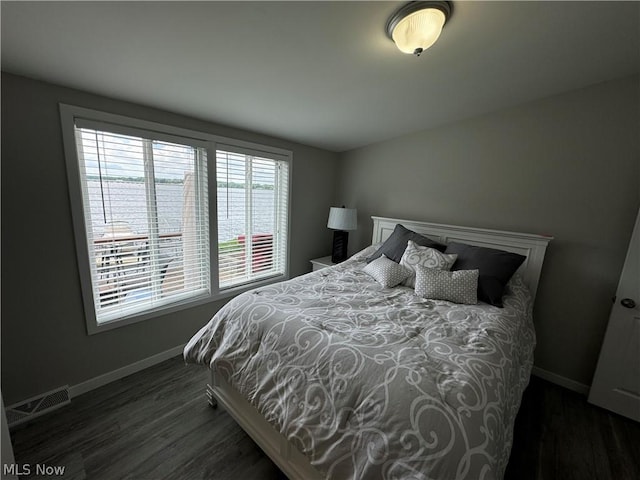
373, 382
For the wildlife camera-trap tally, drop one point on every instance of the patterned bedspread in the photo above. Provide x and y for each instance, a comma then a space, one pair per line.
377, 383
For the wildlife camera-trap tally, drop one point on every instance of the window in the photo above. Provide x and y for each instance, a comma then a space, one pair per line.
145, 208
150, 233
252, 216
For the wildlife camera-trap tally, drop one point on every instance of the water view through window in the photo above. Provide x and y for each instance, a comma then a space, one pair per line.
167, 218
146, 203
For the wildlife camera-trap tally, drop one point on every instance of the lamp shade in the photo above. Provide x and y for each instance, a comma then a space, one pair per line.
417, 25
343, 219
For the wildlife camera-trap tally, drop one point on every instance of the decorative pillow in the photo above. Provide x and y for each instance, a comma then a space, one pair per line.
386, 272
496, 268
395, 245
459, 287
425, 256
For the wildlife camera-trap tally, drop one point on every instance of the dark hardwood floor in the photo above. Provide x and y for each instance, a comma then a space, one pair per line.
156, 424
559, 435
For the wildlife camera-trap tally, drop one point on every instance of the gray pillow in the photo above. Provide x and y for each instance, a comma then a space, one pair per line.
396, 244
496, 268
457, 287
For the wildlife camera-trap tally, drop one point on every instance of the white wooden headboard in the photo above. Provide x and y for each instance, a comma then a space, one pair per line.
530, 245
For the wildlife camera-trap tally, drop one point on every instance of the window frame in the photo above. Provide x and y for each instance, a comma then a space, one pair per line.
276, 158
211, 142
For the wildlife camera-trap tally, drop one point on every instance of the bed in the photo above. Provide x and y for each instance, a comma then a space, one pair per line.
335, 375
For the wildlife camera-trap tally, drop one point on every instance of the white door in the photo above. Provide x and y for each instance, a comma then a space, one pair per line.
616, 383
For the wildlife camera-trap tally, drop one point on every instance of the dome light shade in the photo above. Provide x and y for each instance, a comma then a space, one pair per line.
417, 25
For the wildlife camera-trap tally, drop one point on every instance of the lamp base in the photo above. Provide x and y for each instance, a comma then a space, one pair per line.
340, 241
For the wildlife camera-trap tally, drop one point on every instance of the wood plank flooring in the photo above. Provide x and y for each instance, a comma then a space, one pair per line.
559, 435
156, 424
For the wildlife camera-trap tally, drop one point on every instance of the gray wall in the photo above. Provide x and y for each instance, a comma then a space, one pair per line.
44, 340
568, 166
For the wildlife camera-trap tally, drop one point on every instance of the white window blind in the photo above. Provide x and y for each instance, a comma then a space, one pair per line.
145, 205
252, 198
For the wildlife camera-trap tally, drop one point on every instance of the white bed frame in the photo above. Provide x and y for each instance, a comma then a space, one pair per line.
288, 458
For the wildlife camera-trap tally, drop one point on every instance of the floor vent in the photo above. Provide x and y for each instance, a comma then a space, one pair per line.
36, 406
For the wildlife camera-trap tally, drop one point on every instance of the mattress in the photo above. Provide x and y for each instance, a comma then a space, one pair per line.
374, 382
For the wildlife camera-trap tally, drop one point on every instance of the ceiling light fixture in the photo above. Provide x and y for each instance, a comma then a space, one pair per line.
416, 26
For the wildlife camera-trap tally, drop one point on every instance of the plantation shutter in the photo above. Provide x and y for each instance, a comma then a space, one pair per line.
145, 205
252, 198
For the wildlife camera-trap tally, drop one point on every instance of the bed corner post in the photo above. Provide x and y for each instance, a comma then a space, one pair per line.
211, 399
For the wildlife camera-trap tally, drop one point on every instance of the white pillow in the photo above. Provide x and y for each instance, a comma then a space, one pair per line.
460, 286
416, 255
386, 272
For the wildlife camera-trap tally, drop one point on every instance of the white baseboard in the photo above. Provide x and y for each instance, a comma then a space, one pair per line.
125, 371
560, 380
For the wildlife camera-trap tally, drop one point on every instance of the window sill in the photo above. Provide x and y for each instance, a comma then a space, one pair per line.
181, 305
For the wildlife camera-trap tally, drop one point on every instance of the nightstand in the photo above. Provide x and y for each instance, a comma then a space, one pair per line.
320, 263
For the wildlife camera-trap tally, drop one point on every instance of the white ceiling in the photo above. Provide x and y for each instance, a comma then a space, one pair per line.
319, 73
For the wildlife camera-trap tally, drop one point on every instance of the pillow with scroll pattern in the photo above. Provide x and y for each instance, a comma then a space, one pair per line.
428, 257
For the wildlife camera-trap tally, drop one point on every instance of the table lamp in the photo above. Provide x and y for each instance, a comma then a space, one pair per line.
341, 220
